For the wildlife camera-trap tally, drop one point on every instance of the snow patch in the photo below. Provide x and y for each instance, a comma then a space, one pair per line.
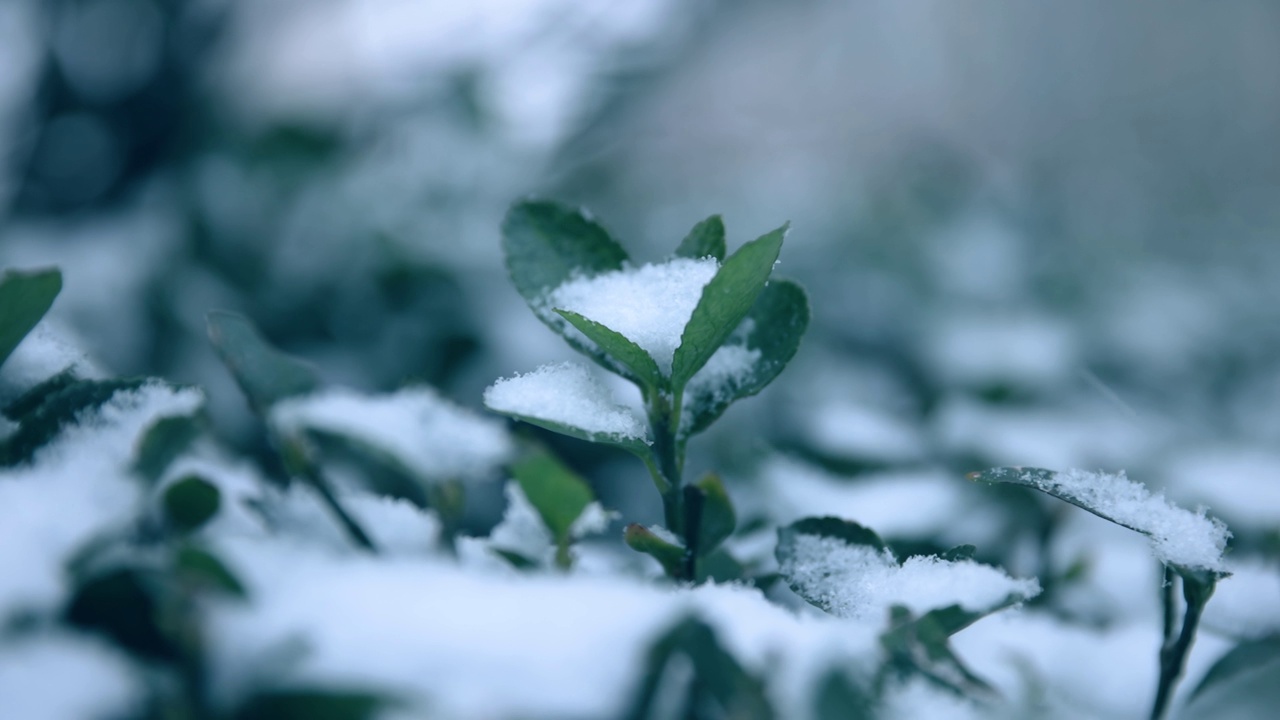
567, 394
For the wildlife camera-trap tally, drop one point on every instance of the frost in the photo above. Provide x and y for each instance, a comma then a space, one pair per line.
1178, 536
859, 581
567, 394
427, 434
649, 305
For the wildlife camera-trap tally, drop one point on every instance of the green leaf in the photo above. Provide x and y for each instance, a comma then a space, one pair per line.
25, 296
57, 408
202, 569
546, 243
846, 531
718, 518
839, 698
1044, 481
190, 503
124, 605
642, 539
959, 552
706, 239
317, 704
777, 322
725, 301
265, 375
1247, 657
31, 400
920, 646
515, 559
164, 441
720, 688
630, 356
556, 492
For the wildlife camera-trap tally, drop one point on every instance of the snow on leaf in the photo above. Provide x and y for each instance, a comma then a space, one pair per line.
567, 398
427, 434
1179, 537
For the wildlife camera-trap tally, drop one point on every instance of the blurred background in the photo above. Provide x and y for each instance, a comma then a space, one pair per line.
1034, 234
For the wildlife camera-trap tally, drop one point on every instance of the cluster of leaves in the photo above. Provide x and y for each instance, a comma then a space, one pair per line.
547, 244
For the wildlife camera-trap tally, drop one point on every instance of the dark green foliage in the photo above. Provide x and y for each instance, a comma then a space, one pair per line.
706, 239
264, 374
58, 405
125, 604
313, 704
725, 301
25, 296
546, 243
636, 363
840, 698
189, 503
719, 688
163, 443
557, 493
642, 539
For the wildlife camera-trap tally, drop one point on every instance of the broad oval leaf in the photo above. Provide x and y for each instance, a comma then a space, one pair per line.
777, 322
25, 296
545, 243
636, 363
725, 301
706, 239
265, 375
718, 519
555, 491
190, 503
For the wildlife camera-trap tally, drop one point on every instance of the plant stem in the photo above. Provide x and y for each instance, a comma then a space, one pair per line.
664, 418
1173, 654
1167, 579
348, 523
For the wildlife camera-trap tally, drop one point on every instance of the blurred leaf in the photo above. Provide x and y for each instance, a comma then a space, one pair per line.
839, 698
1248, 657
720, 686
265, 375
721, 567
166, 439
191, 502
556, 492
725, 301
517, 561
546, 243
920, 646
32, 399
57, 408
200, 567
959, 552
718, 518
778, 320
668, 555
635, 359
123, 605
706, 239
25, 296
326, 704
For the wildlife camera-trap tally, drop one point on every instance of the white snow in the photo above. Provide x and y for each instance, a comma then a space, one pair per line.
46, 351
855, 432
1247, 604
77, 487
649, 305
1241, 482
1023, 349
1178, 536
858, 581
568, 394
427, 434
64, 677
558, 645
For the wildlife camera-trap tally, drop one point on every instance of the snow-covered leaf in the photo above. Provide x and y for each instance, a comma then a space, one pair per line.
265, 375
1190, 542
706, 239
774, 327
57, 407
725, 301
25, 296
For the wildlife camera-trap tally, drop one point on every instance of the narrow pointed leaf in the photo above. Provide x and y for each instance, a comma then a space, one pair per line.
1248, 657
556, 492
642, 539
631, 356
57, 409
778, 321
725, 301
164, 442
25, 296
706, 239
265, 375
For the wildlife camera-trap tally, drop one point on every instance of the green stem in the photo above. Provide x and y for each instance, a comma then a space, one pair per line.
664, 417
1173, 654
348, 523
1167, 579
